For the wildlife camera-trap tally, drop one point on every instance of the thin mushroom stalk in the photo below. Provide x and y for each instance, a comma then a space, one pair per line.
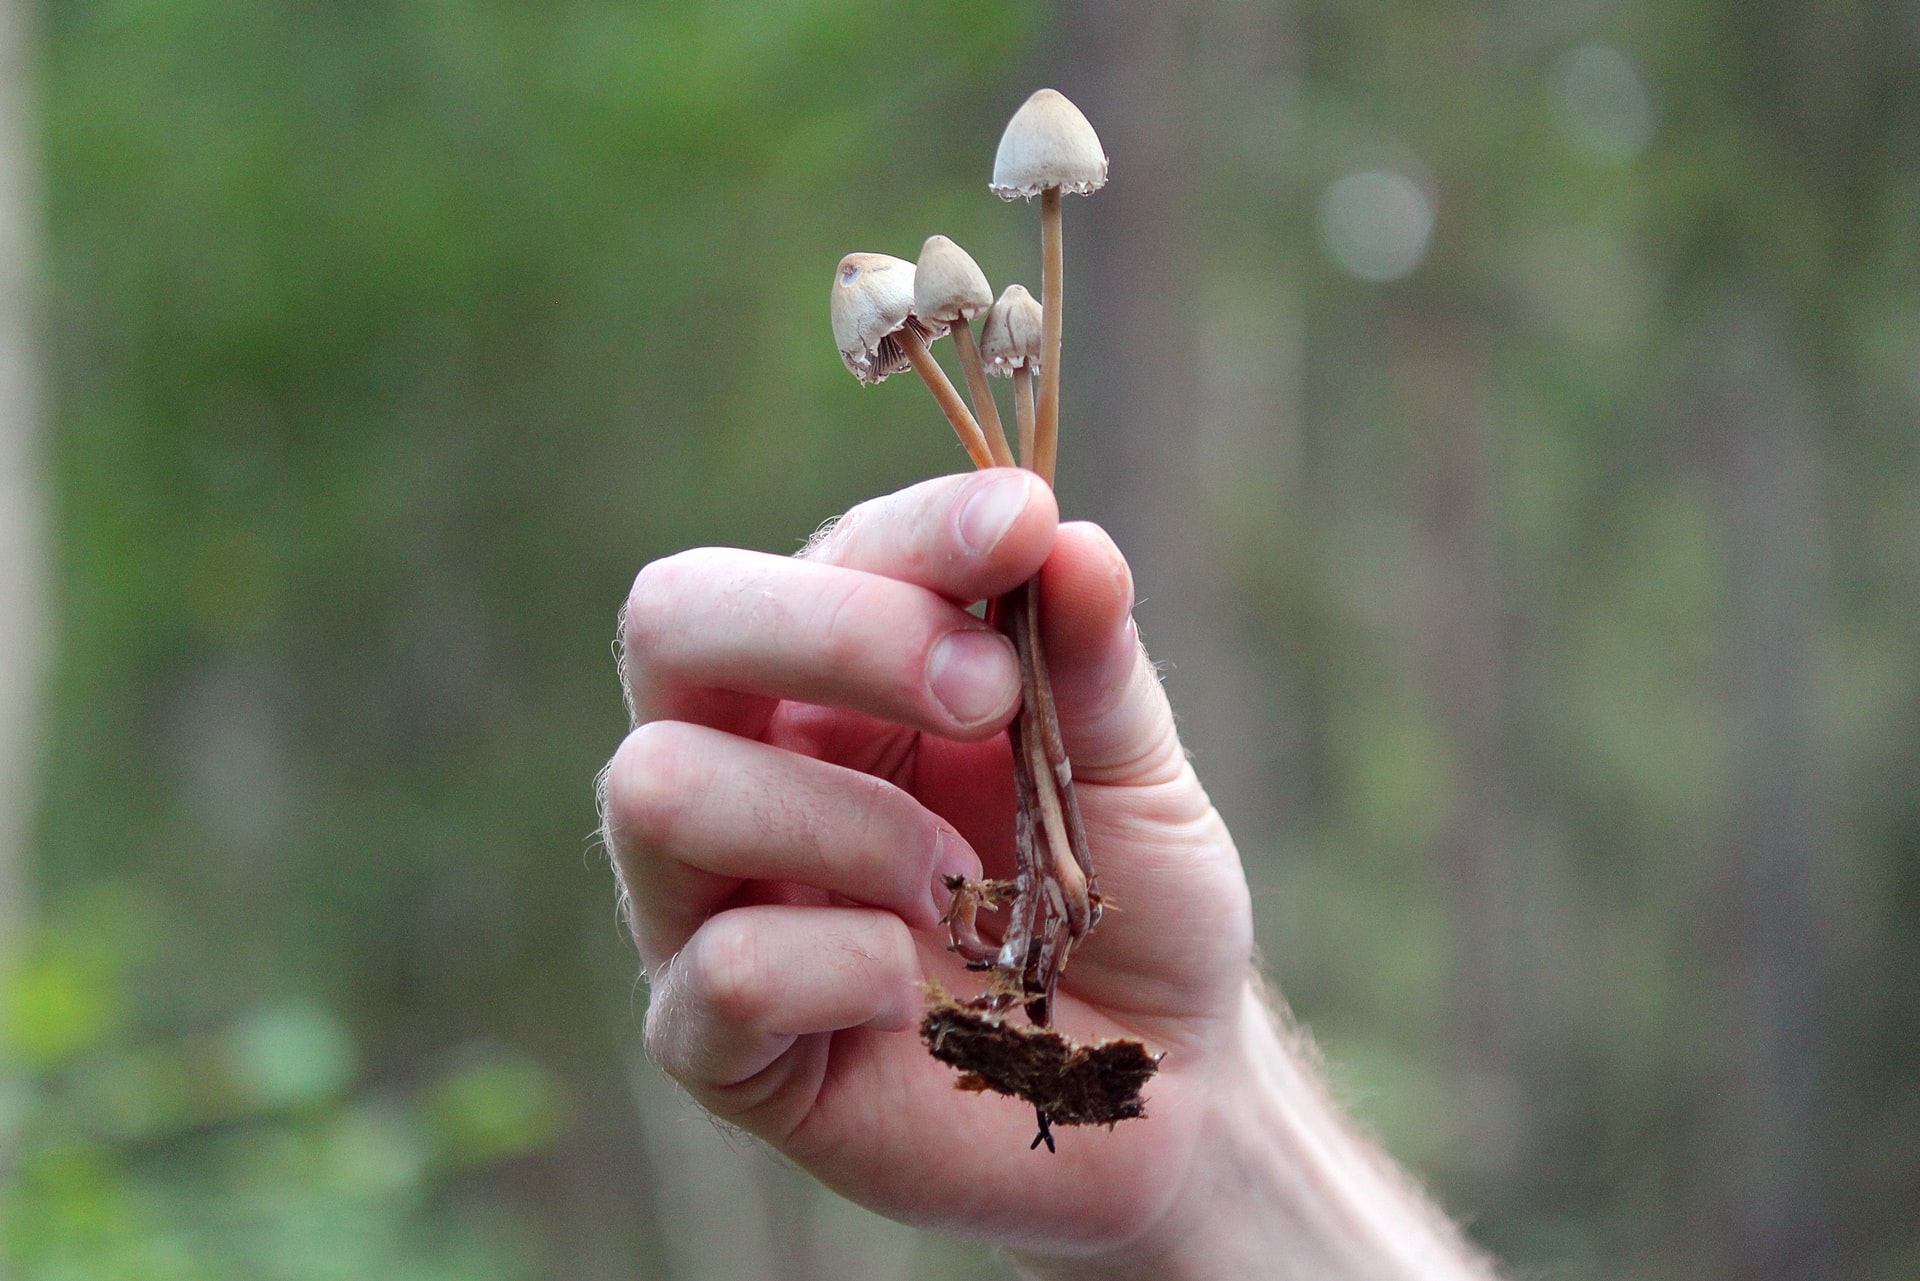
1052, 844
1053, 304
979, 445
982, 393
1055, 855
1025, 413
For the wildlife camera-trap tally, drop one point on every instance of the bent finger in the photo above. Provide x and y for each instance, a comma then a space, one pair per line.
753, 981
773, 627
693, 812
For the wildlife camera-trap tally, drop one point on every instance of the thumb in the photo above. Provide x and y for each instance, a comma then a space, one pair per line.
1114, 716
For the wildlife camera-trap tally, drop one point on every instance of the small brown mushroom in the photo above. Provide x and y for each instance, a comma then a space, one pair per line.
872, 303
949, 288
1010, 341
878, 334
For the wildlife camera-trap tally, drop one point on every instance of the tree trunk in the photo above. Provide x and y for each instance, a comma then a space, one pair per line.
24, 613
1131, 447
1771, 1218
1439, 363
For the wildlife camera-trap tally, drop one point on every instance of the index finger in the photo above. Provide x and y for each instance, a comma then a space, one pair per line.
966, 537
962, 538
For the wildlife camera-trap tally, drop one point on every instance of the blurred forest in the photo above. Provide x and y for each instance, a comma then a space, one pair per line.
1510, 407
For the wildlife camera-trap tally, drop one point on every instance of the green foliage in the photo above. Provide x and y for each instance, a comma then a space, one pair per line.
250, 1151
390, 339
1664, 240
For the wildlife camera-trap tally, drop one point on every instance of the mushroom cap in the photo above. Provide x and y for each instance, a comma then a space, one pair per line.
948, 284
872, 302
1010, 338
1048, 143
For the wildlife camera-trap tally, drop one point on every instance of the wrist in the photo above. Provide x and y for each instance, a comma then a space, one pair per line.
1283, 1184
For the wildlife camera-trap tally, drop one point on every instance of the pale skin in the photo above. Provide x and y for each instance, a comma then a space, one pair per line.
819, 740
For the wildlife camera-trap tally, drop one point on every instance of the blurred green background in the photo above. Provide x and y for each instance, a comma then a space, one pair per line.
1510, 408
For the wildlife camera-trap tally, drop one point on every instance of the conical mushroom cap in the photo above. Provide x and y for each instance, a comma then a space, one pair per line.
872, 302
1048, 143
948, 284
1010, 338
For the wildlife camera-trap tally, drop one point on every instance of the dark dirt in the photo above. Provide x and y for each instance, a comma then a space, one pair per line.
1068, 1084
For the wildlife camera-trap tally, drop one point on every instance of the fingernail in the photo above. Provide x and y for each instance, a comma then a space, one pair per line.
974, 675
952, 856
989, 512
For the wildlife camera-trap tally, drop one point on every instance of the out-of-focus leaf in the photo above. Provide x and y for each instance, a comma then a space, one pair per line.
499, 1104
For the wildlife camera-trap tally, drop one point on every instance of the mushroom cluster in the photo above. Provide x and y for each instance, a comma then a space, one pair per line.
1020, 933
886, 310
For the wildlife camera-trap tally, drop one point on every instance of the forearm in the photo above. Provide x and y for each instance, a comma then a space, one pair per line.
1286, 1187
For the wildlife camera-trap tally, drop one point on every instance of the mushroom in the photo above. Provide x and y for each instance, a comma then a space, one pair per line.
950, 289
1048, 148
1010, 340
878, 334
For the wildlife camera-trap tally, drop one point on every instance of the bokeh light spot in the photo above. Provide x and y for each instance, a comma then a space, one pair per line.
1602, 100
499, 1104
1376, 224
290, 1055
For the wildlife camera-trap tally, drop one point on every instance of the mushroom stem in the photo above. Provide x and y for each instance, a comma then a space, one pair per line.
1052, 288
1053, 750
948, 398
1023, 920
1023, 413
1056, 903
1063, 867
981, 392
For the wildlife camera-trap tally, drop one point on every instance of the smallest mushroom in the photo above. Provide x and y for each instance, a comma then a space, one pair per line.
878, 334
1010, 341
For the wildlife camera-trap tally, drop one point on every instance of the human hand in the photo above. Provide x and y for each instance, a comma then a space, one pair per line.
819, 740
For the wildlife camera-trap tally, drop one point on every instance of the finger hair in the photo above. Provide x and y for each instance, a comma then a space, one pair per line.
819, 537
623, 897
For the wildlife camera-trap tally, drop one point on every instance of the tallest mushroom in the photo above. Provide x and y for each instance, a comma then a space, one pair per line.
1048, 148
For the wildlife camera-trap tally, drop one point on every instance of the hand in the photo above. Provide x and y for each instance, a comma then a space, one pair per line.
819, 740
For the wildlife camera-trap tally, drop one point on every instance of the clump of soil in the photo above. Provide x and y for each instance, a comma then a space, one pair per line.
1068, 1084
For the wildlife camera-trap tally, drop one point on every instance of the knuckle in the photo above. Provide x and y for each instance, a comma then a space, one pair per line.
726, 971
880, 958
838, 632
642, 620
666, 1032
645, 781
651, 601
889, 946
880, 829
